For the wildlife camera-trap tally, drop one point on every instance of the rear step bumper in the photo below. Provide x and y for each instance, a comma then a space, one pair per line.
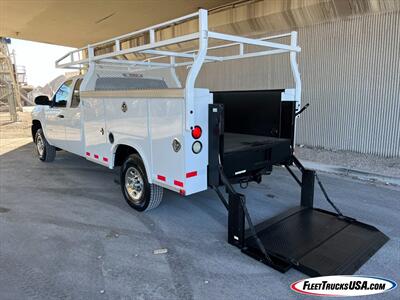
314, 241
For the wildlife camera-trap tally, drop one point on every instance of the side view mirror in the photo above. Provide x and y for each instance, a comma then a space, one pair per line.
42, 100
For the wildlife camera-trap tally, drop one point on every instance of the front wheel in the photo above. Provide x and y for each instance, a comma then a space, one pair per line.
138, 192
45, 151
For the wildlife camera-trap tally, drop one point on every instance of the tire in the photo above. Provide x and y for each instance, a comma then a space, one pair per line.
44, 150
138, 192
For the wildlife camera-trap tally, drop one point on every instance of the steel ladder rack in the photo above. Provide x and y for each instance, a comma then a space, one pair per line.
86, 56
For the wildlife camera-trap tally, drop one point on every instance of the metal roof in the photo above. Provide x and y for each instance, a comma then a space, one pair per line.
78, 23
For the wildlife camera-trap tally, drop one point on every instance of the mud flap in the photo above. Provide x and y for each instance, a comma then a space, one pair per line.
314, 241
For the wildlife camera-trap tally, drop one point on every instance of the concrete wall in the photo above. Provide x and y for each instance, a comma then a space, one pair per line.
351, 78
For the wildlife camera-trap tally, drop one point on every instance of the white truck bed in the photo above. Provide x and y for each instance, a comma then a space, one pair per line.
152, 120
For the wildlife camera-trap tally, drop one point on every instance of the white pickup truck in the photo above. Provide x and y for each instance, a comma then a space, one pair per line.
134, 114
115, 123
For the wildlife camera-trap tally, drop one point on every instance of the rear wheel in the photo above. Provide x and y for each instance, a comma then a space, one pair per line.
45, 151
138, 192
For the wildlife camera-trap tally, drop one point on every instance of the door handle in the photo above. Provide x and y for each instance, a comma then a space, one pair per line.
60, 116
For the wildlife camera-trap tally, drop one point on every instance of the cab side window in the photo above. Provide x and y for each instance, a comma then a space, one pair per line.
75, 94
61, 97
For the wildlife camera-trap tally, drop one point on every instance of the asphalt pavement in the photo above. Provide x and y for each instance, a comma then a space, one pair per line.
66, 232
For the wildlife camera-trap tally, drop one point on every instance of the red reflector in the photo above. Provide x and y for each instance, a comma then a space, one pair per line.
87, 153
191, 174
96, 156
162, 178
178, 183
105, 159
196, 132
182, 192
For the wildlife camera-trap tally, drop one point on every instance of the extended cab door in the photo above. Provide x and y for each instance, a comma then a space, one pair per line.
95, 133
73, 124
55, 114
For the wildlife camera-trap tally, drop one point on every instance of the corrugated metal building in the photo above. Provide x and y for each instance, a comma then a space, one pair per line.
350, 65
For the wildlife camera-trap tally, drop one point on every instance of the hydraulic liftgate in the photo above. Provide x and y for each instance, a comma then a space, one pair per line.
314, 241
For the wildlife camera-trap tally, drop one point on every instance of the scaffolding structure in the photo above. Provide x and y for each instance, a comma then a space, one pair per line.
10, 96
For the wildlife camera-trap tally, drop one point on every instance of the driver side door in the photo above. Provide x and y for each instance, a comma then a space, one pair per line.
55, 114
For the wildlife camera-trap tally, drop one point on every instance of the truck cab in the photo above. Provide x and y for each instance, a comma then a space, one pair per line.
60, 118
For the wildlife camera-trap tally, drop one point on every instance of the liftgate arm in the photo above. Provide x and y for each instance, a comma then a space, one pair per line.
237, 211
307, 185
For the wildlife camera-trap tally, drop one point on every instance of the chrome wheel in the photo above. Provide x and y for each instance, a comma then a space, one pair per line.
134, 185
40, 144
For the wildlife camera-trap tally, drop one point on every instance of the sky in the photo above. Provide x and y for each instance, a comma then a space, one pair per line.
39, 59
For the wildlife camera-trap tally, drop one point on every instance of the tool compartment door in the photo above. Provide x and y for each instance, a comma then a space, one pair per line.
96, 147
166, 129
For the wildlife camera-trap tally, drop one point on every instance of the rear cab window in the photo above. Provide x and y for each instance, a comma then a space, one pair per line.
76, 99
128, 83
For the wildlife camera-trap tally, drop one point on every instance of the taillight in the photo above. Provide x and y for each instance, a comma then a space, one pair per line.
196, 132
196, 147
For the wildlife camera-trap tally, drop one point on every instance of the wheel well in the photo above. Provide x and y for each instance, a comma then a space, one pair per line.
35, 126
123, 151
